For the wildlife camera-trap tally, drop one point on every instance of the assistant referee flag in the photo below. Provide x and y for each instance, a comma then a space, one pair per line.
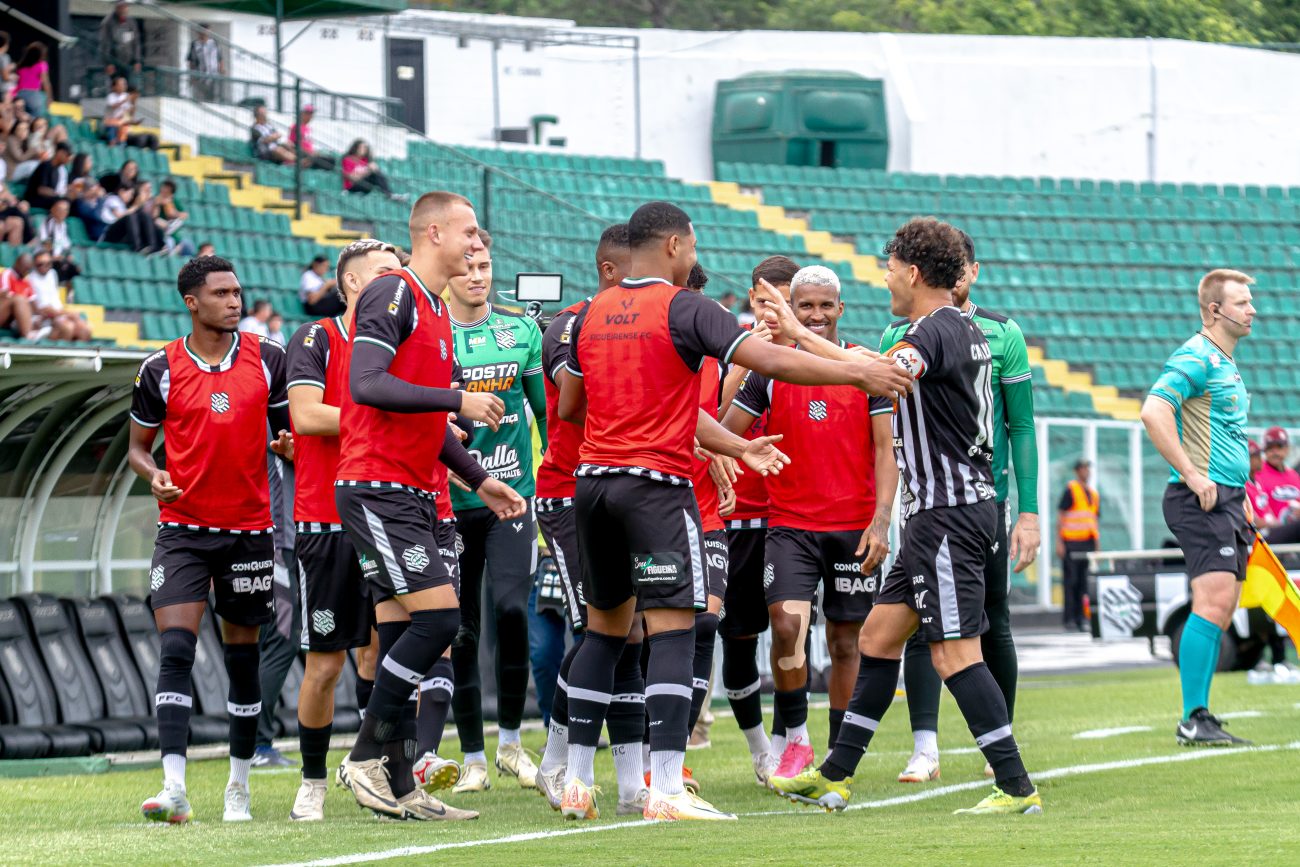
1268, 586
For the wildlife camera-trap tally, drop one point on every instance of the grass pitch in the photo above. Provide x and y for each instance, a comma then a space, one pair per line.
1123, 794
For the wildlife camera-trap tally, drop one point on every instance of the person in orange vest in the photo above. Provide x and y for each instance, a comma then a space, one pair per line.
1076, 518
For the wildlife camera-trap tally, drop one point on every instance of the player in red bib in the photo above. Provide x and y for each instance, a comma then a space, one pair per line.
212, 393
744, 608
635, 355
814, 533
394, 440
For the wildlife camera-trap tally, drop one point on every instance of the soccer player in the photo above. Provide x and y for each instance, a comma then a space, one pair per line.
500, 353
1196, 418
337, 612
634, 357
393, 443
1014, 442
943, 441
212, 393
744, 609
555, 515
814, 531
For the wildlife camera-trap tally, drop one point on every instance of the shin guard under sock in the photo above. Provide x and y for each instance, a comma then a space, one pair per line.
244, 700
981, 702
706, 635
872, 695
435, 703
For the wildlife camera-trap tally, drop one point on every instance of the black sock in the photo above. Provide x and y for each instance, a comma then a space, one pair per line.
981, 702
315, 746
836, 720
244, 702
706, 635
467, 700
399, 672
365, 687
793, 704
435, 702
626, 715
923, 686
401, 751
591, 684
872, 695
668, 689
174, 701
560, 703
741, 680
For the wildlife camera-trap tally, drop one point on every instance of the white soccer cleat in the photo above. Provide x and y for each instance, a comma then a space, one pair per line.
684, 806
634, 807
170, 805
309, 803
551, 785
922, 768
434, 773
237, 804
513, 761
765, 765
419, 805
370, 785
473, 778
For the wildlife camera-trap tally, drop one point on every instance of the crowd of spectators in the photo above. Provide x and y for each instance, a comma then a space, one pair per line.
359, 173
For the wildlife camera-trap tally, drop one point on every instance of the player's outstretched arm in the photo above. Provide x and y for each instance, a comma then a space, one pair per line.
779, 318
1162, 427
458, 460
878, 376
760, 455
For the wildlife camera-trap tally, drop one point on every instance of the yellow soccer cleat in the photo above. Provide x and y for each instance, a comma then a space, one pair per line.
684, 806
812, 788
999, 801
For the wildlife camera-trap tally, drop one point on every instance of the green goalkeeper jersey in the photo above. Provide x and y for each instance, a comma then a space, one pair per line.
1013, 402
502, 353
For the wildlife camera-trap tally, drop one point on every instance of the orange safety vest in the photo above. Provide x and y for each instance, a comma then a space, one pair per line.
1079, 524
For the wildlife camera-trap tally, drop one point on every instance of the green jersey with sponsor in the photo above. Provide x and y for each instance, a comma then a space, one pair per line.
502, 353
1013, 402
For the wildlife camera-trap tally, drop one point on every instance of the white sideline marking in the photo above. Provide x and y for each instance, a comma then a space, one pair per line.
1096, 734
924, 795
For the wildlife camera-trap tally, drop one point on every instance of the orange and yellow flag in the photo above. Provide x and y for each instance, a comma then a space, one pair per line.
1267, 586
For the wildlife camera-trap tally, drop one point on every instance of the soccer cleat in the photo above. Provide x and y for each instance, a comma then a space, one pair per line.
270, 757
684, 806
796, 759
634, 807
988, 771
922, 768
420, 806
473, 778
579, 801
237, 804
170, 805
433, 773
811, 787
551, 785
765, 765
370, 785
1204, 729
699, 739
688, 780
341, 775
999, 802
513, 760
309, 803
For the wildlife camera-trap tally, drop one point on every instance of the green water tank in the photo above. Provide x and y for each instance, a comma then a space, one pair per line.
801, 118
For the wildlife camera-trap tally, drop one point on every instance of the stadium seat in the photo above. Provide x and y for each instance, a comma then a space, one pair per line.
76, 687
124, 693
34, 705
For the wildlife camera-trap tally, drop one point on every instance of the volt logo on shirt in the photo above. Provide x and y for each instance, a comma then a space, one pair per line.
667, 567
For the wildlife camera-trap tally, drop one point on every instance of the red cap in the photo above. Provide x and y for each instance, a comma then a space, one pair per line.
1276, 436
1254, 448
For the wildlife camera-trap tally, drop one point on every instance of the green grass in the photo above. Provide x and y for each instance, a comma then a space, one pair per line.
1236, 808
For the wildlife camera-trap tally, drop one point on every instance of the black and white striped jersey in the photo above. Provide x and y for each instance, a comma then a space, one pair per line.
943, 431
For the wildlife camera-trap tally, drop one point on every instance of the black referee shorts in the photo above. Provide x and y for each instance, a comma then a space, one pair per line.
1215, 541
939, 571
640, 537
392, 529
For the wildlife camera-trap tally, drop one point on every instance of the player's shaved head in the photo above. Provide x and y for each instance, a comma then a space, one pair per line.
431, 208
612, 256
613, 241
655, 221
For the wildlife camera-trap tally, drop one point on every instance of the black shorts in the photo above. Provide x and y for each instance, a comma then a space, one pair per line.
716, 556
939, 571
336, 609
641, 538
392, 530
444, 532
1215, 541
559, 527
744, 608
800, 560
239, 567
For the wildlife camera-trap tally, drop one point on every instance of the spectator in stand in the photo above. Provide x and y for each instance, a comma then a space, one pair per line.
275, 329
1259, 500
207, 248
118, 112
256, 320
48, 307
14, 225
206, 62
46, 137
268, 142
21, 155
1280, 482
128, 220
1078, 516
300, 137
138, 139
128, 176
49, 182
170, 219
16, 299
89, 206
360, 175
317, 292
34, 80
119, 43
7, 68
52, 237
